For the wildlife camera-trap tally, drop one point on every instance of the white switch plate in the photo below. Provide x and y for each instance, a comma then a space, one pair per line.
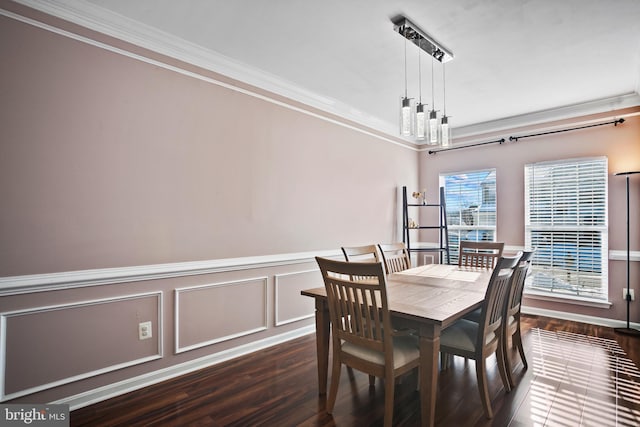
144, 330
624, 294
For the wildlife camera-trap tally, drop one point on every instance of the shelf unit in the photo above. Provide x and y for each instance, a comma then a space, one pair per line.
443, 248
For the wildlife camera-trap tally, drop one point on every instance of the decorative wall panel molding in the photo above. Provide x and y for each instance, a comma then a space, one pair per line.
290, 305
35, 358
213, 313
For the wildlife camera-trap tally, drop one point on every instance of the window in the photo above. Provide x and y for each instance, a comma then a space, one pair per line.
471, 207
566, 223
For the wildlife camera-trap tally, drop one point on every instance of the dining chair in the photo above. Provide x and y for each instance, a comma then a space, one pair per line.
479, 254
362, 336
511, 316
395, 257
367, 253
480, 340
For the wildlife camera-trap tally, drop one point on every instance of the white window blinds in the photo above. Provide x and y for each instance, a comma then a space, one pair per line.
566, 223
471, 207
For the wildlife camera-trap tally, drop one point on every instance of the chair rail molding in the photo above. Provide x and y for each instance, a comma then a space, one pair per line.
14, 285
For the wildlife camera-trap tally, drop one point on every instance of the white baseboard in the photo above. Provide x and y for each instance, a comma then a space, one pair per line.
600, 321
116, 389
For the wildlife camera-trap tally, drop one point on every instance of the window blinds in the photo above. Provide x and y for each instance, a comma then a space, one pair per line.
471, 207
566, 223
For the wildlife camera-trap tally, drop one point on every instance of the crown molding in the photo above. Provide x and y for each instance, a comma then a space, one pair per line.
106, 22
603, 105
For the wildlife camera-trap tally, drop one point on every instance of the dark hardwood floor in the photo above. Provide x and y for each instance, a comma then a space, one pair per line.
578, 374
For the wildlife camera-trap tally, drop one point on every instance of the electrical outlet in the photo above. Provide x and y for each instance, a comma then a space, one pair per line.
144, 330
624, 294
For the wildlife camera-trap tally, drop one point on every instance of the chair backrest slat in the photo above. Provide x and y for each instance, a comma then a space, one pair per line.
479, 254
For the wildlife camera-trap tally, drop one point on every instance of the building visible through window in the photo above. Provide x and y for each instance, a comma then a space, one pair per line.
471, 207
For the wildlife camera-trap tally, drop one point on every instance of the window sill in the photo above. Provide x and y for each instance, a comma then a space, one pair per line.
566, 299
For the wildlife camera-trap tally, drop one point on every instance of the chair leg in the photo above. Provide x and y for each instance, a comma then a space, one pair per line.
444, 361
503, 365
517, 340
507, 362
350, 372
481, 375
389, 389
335, 381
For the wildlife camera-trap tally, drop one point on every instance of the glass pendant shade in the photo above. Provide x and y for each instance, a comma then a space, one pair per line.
433, 127
445, 131
405, 117
421, 131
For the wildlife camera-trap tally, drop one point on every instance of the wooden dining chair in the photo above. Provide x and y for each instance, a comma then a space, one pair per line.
362, 336
511, 316
479, 254
367, 253
395, 257
480, 340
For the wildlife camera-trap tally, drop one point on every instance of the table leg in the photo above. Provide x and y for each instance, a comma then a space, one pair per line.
322, 343
429, 349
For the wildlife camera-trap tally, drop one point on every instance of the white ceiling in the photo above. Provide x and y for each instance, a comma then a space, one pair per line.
511, 57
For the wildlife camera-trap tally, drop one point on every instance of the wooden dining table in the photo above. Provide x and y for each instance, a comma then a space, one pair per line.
427, 299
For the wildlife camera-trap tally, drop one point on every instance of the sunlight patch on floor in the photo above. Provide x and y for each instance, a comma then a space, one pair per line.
581, 380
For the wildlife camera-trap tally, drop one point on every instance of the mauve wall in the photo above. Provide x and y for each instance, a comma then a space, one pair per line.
109, 162
621, 145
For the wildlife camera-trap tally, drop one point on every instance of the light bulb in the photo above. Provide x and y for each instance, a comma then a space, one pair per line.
420, 128
405, 124
433, 127
445, 131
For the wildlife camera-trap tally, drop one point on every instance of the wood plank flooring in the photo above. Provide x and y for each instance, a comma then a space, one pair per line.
579, 375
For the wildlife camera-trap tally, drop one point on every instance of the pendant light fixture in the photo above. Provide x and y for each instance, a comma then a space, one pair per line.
425, 129
420, 125
445, 130
405, 108
433, 115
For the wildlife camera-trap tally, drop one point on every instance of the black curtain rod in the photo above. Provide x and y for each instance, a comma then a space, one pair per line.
614, 122
500, 141
516, 138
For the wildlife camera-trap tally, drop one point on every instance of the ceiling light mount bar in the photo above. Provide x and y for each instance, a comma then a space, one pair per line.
417, 36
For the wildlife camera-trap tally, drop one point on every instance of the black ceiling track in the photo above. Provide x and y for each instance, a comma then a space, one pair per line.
516, 138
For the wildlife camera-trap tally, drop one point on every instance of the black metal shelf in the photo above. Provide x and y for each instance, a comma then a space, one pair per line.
442, 226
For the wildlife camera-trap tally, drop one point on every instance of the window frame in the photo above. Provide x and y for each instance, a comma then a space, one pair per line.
574, 282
